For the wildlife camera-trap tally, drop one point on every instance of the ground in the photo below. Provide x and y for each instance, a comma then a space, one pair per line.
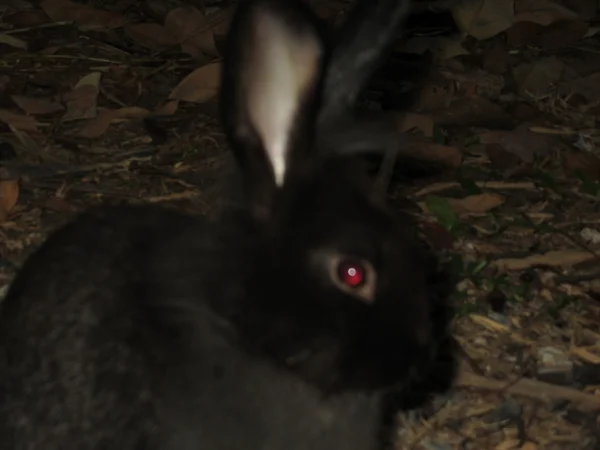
115, 102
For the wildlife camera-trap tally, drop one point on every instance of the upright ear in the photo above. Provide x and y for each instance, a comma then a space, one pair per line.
361, 45
269, 90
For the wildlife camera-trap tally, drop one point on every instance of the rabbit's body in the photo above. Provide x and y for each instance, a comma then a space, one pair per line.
108, 355
303, 320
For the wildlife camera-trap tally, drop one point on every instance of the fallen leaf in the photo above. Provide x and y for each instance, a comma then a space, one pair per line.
496, 60
32, 105
536, 78
81, 101
500, 158
9, 194
556, 258
479, 203
584, 162
23, 19
447, 156
84, 16
98, 126
483, 19
441, 47
560, 34
472, 111
199, 86
544, 12
12, 41
439, 236
522, 142
19, 121
588, 87
60, 204
151, 35
422, 122
167, 109
192, 30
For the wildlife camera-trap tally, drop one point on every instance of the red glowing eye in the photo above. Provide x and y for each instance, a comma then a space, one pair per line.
351, 273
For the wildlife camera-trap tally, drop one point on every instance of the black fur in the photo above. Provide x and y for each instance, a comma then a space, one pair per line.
139, 328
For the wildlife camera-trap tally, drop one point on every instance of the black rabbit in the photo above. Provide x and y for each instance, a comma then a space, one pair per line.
300, 321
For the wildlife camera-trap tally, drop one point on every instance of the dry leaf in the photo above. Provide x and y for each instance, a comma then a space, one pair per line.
450, 157
192, 30
557, 258
442, 47
60, 204
199, 86
81, 101
23, 19
34, 106
410, 121
151, 35
9, 194
84, 16
476, 203
19, 121
98, 126
536, 78
483, 19
12, 41
544, 12
522, 142
167, 109
588, 87
584, 162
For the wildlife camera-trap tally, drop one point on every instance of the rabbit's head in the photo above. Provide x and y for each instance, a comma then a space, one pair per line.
340, 290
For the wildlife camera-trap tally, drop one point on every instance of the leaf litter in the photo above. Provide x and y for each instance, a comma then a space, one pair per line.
104, 103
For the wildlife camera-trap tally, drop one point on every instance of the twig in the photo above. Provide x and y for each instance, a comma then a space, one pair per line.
528, 387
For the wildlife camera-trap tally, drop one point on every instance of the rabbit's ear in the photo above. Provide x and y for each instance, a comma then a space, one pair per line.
270, 82
361, 44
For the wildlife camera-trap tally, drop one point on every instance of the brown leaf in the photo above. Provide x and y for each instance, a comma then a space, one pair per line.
84, 16
199, 86
167, 109
473, 111
34, 106
9, 194
483, 19
151, 35
19, 121
438, 236
557, 258
544, 12
441, 47
500, 158
497, 59
476, 203
98, 126
559, 34
536, 78
22, 19
587, 87
81, 101
192, 30
12, 41
422, 122
583, 162
450, 157
60, 204
522, 142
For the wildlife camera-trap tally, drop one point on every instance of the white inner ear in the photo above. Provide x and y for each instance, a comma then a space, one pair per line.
282, 66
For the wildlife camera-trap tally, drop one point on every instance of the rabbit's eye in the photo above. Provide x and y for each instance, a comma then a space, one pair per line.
351, 273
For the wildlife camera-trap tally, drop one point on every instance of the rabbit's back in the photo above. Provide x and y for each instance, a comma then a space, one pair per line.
108, 341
